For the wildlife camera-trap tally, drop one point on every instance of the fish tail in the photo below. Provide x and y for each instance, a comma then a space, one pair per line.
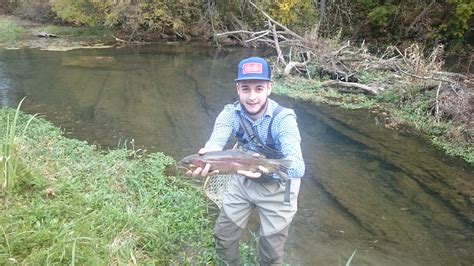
281, 168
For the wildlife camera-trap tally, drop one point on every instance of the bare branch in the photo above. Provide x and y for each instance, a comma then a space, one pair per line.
233, 32
277, 45
266, 32
276, 22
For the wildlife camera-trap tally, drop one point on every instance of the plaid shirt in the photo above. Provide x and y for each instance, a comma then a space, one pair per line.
284, 131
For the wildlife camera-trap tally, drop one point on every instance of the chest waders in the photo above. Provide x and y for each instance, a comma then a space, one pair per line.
268, 148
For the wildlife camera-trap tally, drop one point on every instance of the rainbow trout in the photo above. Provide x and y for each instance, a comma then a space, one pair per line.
229, 161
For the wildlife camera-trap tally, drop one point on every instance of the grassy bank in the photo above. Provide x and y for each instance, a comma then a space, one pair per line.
92, 33
413, 110
72, 203
21, 33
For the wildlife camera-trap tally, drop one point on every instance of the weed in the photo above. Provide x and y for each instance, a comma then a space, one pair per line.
9, 158
10, 32
249, 250
366, 77
389, 96
348, 262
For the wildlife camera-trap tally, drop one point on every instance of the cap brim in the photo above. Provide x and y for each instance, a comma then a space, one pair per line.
254, 78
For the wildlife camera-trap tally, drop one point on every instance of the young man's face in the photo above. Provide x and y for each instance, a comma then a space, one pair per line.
253, 95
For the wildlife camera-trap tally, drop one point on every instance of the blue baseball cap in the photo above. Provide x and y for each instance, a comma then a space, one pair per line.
253, 68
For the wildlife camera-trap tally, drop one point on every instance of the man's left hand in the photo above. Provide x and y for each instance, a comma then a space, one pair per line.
250, 174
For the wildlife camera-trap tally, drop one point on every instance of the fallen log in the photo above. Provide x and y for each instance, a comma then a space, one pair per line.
336, 83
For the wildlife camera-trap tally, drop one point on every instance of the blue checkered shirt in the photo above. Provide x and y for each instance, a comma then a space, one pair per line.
284, 131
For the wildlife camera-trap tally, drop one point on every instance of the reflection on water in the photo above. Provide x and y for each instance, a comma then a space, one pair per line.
384, 193
4, 86
161, 97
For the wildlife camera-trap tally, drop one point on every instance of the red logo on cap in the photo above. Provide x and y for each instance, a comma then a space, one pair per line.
252, 68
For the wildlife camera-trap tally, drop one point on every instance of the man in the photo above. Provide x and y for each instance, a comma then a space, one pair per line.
267, 129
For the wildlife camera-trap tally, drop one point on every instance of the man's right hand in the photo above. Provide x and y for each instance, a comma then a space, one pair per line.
202, 171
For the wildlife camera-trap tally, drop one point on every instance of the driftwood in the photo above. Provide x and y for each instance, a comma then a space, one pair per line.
119, 40
46, 35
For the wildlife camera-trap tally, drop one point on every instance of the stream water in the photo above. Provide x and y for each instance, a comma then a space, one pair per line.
386, 194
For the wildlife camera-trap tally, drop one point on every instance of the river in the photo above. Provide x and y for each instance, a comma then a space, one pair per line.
388, 195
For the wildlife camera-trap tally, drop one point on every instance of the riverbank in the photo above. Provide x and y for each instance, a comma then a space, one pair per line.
392, 111
71, 203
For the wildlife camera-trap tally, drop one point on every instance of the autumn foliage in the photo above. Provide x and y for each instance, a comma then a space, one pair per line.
384, 22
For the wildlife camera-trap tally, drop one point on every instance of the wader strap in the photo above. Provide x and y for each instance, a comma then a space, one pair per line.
270, 142
267, 148
286, 197
245, 125
269, 152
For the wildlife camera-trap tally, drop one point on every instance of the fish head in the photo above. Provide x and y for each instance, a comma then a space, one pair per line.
190, 162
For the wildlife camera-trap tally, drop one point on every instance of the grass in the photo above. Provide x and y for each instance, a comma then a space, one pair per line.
310, 90
68, 31
10, 32
349, 260
74, 204
10, 162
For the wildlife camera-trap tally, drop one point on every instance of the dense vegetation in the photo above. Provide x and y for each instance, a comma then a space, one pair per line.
9, 31
381, 22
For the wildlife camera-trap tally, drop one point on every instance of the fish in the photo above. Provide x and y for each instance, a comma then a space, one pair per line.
230, 161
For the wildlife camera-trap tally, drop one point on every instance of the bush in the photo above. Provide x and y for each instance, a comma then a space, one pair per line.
10, 32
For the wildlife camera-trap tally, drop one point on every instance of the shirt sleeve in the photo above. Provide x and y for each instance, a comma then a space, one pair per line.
222, 130
290, 140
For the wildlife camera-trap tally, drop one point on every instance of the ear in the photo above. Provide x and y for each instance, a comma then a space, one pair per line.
269, 89
237, 88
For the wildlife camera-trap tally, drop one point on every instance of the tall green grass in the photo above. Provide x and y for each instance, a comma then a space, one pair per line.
10, 32
76, 204
69, 31
9, 158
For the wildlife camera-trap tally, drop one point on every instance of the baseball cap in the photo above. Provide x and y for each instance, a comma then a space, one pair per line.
253, 68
